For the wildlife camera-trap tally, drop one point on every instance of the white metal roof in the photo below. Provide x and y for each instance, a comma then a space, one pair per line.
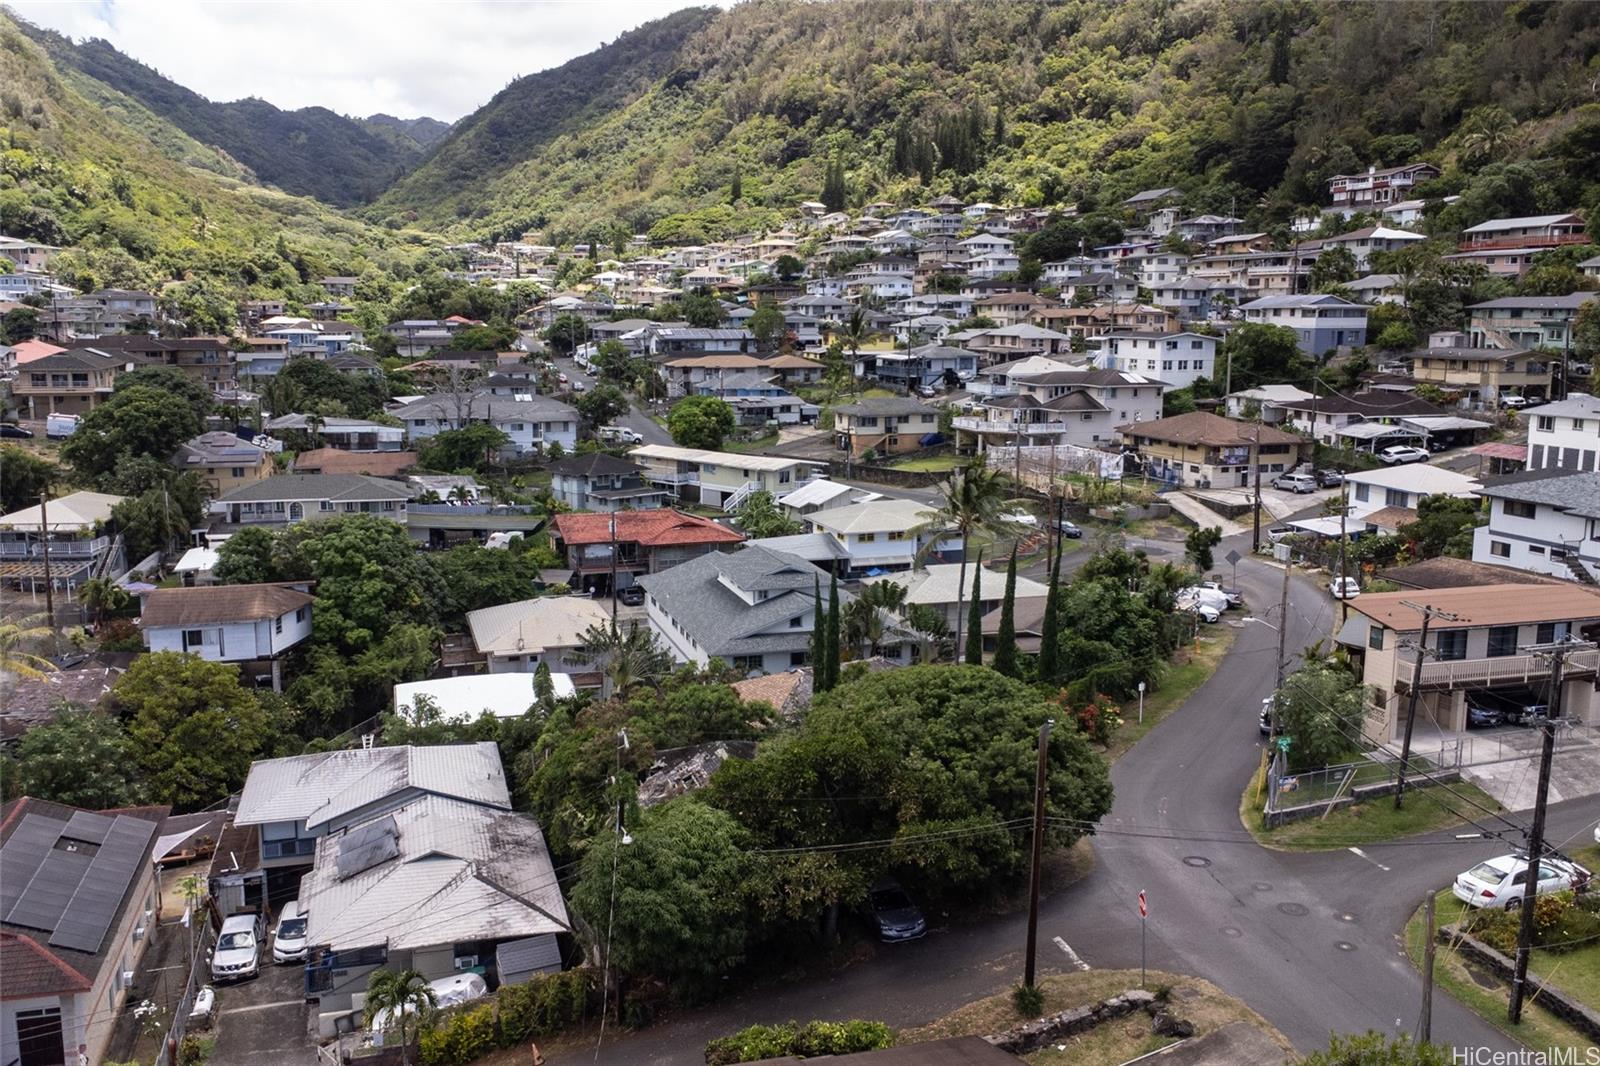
729, 459
531, 626
877, 516
936, 585
1417, 478
464, 699
76, 512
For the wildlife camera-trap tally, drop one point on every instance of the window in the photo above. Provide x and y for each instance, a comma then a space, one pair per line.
325, 505
866, 538
1375, 638
1362, 491
1396, 498
277, 624
1500, 549
300, 615
1451, 644
1502, 641
193, 638
1550, 632
1519, 509
1547, 424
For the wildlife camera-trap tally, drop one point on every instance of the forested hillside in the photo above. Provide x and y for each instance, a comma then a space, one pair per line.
1249, 105
96, 176
309, 152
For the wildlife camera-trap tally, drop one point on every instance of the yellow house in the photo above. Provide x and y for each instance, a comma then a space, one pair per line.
224, 462
887, 425
1485, 374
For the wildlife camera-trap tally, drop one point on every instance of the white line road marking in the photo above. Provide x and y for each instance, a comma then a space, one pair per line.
1072, 956
1369, 858
265, 1006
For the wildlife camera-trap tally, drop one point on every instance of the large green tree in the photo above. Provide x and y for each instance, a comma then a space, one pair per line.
977, 507
759, 517
700, 422
80, 757
471, 448
1320, 708
24, 477
138, 420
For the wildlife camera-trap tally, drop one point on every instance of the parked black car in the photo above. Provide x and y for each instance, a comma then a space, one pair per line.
1070, 530
893, 913
11, 429
1330, 478
632, 596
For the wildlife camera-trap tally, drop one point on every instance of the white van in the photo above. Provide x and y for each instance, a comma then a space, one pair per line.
289, 939
57, 426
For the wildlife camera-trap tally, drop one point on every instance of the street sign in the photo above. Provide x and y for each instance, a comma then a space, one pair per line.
1283, 743
1144, 908
1233, 557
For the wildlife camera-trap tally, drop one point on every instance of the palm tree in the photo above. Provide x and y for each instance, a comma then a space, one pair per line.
626, 658
864, 616
1486, 131
14, 637
314, 425
461, 494
976, 508
404, 996
101, 596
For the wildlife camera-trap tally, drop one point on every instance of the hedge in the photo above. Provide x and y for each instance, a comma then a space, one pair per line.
807, 1041
541, 1007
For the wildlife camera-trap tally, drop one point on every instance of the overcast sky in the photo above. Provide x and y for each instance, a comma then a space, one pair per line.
359, 57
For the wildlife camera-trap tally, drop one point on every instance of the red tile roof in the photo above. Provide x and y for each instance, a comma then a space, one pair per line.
31, 969
655, 528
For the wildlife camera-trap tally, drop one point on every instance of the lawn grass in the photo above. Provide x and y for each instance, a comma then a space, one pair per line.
1425, 810
766, 440
1107, 1045
1539, 1029
1179, 681
934, 464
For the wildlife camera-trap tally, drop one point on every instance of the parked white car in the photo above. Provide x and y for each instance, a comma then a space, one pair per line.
238, 951
1503, 881
1209, 604
1403, 453
1344, 588
289, 939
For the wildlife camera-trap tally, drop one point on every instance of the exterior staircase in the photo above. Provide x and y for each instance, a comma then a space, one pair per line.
734, 502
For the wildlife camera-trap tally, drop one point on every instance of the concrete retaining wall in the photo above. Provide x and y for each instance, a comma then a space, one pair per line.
1583, 1018
1032, 1036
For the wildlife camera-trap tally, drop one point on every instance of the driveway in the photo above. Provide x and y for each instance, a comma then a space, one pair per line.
265, 1022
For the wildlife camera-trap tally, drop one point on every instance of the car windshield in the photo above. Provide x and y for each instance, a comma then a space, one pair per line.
1489, 872
293, 929
236, 941
891, 899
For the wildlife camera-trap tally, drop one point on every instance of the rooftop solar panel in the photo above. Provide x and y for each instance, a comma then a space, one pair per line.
93, 906
50, 888
24, 850
85, 825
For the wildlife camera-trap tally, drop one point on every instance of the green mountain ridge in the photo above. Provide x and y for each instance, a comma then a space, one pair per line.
311, 151
1248, 104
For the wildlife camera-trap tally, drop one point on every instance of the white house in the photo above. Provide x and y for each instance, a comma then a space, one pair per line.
253, 624
1175, 358
1545, 521
1363, 242
290, 498
1565, 434
470, 697
1404, 486
935, 586
518, 637
886, 534
532, 423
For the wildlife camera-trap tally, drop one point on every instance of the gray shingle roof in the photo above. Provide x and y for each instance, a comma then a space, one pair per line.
1575, 492
335, 487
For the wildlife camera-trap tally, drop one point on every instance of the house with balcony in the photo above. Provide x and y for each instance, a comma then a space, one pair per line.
722, 479
290, 498
1041, 402
601, 482
1177, 359
73, 382
673, 341
101, 313
1362, 243
629, 544
1525, 321
911, 368
1483, 375
885, 534
1379, 186
1523, 234
1204, 450
1371, 420
1543, 521
252, 625
210, 361
1565, 434
27, 256
1321, 323
223, 461
1481, 650
884, 425
532, 424
1012, 342
76, 530
343, 434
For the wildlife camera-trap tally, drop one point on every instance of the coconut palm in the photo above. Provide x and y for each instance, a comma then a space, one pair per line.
15, 638
405, 997
626, 657
865, 618
977, 507
1485, 132
101, 596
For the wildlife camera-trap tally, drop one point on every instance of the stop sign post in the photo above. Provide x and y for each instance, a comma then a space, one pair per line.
1144, 918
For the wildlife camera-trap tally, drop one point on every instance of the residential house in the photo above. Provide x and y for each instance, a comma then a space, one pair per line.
210, 361
1563, 434
1192, 299
73, 382
73, 529
1044, 402
1479, 648
532, 424
1404, 486
27, 256
339, 287
721, 479
290, 498
1142, 204
1525, 321
885, 534
78, 911
1483, 375
1261, 403
1011, 308
1363, 242
910, 369
601, 482
1545, 521
1532, 232
1321, 323
820, 495
1352, 193
884, 426
546, 631
935, 586
1204, 450
607, 551
1012, 342
343, 434
1371, 420
1177, 359
880, 286
338, 461
689, 340
726, 384
1206, 227
755, 609
223, 461
254, 625
96, 314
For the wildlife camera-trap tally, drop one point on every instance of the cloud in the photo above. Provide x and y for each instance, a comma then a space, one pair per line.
357, 57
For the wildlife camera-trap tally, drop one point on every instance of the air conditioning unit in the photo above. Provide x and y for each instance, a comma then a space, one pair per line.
138, 933
466, 962
127, 978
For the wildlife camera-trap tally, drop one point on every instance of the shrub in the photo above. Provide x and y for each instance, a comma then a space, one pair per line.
813, 1039
459, 1036
543, 1006
1028, 1000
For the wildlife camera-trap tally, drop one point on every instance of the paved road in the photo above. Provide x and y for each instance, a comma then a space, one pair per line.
1309, 940
636, 419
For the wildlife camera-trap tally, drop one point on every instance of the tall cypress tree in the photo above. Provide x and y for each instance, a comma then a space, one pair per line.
1005, 649
736, 193
974, 655
833, 631
1050, 631
819, 638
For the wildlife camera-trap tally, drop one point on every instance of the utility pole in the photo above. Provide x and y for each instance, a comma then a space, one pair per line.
1038, 848
1255, 460
613, 571
1344, 547
1557, 653
49, 583
1425, 1022
1421, 647
1283, 622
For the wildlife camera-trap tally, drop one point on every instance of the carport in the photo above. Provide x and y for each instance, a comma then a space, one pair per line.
1367, 436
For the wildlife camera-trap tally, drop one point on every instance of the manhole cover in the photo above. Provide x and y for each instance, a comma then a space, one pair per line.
1229, 930
1345, 945
1263, 886
1294, 910
1196, 860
